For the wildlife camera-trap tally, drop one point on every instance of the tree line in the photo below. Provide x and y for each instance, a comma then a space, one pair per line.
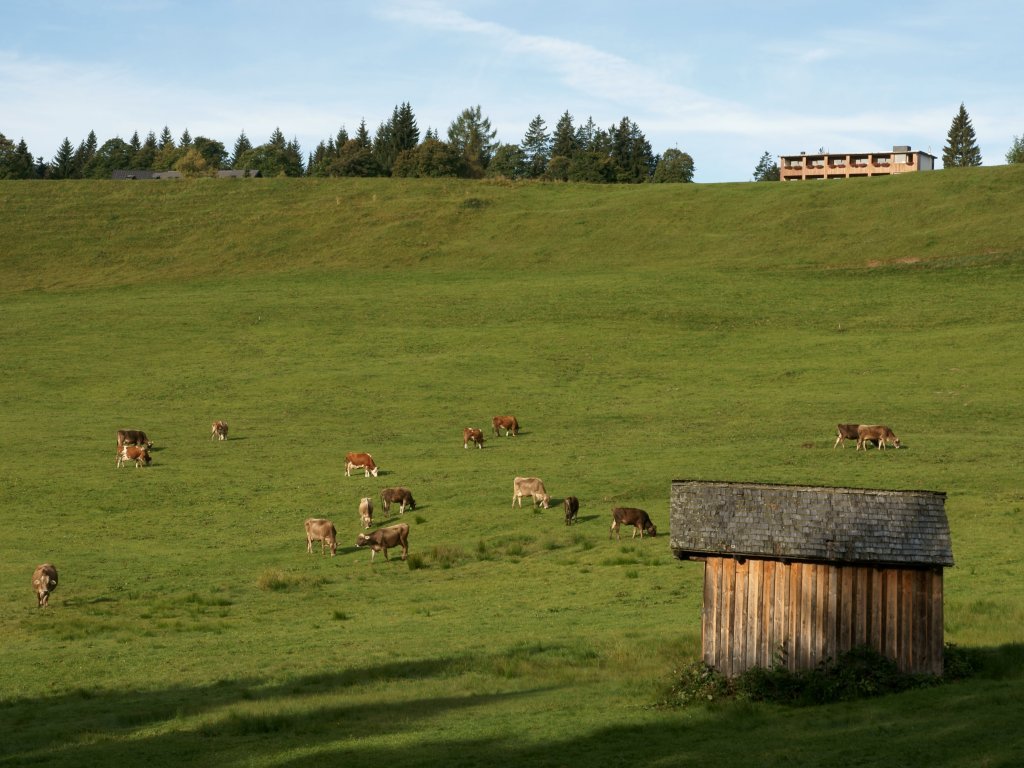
568, 152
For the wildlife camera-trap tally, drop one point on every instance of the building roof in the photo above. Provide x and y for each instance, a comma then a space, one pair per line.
790, 522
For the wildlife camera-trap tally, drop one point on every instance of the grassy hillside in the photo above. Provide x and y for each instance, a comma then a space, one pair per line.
639, 334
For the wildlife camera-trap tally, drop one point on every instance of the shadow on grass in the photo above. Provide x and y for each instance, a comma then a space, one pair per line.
231, 722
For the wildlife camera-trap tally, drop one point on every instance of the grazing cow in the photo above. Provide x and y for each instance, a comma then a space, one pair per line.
402, 496
508, 423
529, 486
876, 432
319, 529
44, 581
471, 435
572, 507
219, 430
631, 516
363, 461
848, 432
845, 432
137, 453
132, 437
385, 538
366, 511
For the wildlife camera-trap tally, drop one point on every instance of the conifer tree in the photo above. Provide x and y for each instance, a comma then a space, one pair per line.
166, 140
186, 140
536, 149
363, 136
766, 169
242, 145
471, 135
63, 164
961, 150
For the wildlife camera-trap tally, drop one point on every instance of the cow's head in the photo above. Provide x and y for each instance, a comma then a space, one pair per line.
651, 530
362, 540
895, 442
146, 458
546, 501
374, 471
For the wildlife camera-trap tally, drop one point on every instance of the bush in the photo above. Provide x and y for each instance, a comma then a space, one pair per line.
859, 673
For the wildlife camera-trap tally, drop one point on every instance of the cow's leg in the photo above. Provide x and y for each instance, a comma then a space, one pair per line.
838, 441
309, 546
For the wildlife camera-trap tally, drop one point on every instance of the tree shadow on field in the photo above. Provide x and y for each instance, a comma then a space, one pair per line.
232, 722
90, 727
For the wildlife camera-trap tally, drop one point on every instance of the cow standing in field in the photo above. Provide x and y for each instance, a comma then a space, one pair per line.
508, 423
319, 529
845, 432
136, 453
384, 538
219, 430
132, 437
366, 511
878, 433
401, 496
471, 435
44, 581
572, 507
363, 461
530, 486
632, 516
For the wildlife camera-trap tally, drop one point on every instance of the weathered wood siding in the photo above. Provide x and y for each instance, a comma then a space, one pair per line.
759, 612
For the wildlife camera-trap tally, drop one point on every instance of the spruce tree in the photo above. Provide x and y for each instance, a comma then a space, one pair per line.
63, 164
766, 169
536, 149
961, 151
166, 140
242, 145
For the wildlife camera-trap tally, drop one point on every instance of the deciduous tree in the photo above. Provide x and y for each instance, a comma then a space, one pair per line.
675, 166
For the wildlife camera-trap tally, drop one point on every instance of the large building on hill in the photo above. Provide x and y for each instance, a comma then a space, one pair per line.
837, 166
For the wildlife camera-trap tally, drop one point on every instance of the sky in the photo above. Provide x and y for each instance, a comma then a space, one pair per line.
722, 80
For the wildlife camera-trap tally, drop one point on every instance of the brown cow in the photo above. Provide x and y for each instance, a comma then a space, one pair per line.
137, 453
846, 432
632, 516
132, 437
319, 529
876, 432
219, 430
508, 423
44, 581
384, 538
403, 496
363, 461
366, 511
530, 486
572, 507
471, 435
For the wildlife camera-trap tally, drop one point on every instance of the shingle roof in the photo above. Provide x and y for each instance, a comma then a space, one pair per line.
849, 525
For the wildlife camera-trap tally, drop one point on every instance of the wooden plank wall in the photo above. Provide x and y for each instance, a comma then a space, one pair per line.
763, 612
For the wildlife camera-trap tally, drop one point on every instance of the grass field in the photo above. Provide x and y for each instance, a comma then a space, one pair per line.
639, 334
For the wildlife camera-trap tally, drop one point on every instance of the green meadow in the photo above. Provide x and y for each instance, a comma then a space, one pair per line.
640, 335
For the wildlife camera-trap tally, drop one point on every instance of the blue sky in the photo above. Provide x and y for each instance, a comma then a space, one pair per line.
721, 79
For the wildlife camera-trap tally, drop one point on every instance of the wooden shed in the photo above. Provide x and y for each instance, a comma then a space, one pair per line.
796, 575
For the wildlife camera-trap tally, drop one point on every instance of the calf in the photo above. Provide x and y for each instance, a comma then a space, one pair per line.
44, 581
403, 496
366, 511
319, 529
876, 432
384, 538
132, 437
530, 486
471, 435
631, 516
137, 453
363, 461
572, 506
508, 423
219, 430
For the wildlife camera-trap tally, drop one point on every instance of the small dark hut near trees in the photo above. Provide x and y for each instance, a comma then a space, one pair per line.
795, 575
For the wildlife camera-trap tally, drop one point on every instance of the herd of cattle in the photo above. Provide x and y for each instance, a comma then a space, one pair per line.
134, 446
